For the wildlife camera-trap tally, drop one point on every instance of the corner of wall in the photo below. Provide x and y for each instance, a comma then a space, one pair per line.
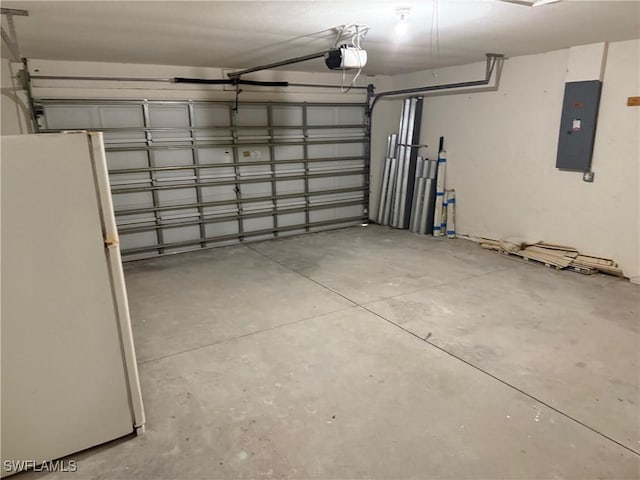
14, 110
505, 142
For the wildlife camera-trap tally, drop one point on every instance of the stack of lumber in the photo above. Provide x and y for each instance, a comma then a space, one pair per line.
552, 255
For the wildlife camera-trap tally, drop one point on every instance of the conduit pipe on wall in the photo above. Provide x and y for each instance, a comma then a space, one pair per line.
493, 63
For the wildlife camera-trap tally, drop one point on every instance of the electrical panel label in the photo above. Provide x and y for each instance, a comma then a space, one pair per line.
577, 125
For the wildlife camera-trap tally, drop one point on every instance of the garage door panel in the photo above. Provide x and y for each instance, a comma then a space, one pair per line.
345, 164
214, 155
349, 149
254, 172
320, 184
192, 174
125, 139
291, 219
181, 234
169, 116
337, 150
123, 201
125, 160
290, 169
175, 216
321, 151
290, 186
140, 219
250, 190
257, 224
176, 176
217, 193
120, 117
170, 138
256, 206
348, 181
252, 115
254, 153
220, 213
349, 116
319, 115
287, 204
211, 115
118, 179
289, 152
220, 136
137, 240
72, 117
335, 214
221, 229
167, 158
208, 175
344, 132
182, 196
248, 135
332, 198
288, 135
287, 115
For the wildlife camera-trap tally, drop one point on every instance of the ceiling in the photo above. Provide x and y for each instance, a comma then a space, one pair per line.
240, 34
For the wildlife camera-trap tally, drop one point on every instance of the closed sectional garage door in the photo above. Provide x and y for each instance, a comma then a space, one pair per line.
188, 175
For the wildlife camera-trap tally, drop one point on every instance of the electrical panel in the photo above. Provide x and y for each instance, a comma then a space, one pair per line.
578, 125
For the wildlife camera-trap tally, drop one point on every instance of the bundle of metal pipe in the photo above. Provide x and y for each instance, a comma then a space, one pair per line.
418, 194
424, 196
386, 189
397, 188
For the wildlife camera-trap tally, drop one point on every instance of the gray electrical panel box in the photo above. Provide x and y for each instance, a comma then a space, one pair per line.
578, 125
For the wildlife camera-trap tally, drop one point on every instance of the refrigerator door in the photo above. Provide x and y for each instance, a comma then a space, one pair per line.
65, 379
112, 243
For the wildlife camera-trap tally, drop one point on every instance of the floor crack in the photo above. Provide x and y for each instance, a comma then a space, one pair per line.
451, 354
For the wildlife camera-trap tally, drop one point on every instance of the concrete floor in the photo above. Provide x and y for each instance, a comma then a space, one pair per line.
376, 353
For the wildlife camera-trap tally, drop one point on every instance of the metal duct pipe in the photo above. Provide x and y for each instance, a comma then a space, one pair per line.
493, 59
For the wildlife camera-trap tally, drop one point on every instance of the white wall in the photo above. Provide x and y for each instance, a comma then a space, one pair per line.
502, 149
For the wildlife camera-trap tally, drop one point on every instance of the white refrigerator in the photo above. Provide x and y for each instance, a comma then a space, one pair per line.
69, 374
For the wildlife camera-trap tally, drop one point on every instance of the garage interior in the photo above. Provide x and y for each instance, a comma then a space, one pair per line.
300, 305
